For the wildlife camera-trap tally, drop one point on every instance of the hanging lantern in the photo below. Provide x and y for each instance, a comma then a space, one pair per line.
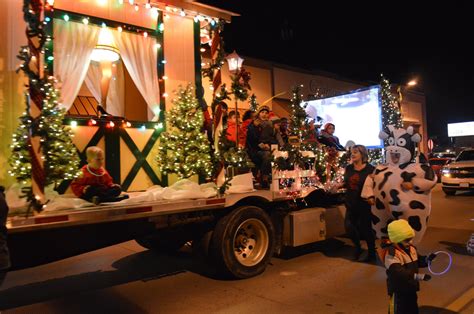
235, 62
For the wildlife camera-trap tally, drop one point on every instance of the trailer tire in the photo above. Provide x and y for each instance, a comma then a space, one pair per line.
161, 243
243, 242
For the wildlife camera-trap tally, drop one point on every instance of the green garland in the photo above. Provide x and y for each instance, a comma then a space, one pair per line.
218, 62
253, 104
240, 84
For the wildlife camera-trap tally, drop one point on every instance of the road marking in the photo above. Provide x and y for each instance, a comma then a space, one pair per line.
462, 301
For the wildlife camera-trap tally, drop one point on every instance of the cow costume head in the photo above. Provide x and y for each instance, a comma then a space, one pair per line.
401, 143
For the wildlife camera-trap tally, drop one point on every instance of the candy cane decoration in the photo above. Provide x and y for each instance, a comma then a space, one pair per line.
35, 70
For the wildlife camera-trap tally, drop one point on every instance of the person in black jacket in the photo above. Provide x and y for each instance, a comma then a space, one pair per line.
402, 262
4, 253
358, 216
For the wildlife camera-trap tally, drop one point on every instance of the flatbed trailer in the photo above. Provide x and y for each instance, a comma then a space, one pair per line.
238, 232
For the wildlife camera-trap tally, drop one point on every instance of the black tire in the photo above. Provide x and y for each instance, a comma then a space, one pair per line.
449, 191
243, 242
162, 242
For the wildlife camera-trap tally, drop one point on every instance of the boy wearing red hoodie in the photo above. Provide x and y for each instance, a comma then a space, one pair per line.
95, 184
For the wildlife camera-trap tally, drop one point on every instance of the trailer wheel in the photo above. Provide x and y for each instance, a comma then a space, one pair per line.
161, 242
243, 242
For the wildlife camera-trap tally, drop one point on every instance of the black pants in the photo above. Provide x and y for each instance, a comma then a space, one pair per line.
4, 253
104, 194
265, 157
403, 303
359, 226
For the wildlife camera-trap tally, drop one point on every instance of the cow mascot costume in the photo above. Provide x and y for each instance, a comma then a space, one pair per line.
401, 187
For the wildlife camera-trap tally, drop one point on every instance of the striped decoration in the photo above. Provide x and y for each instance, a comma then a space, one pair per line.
35, 37
215, 45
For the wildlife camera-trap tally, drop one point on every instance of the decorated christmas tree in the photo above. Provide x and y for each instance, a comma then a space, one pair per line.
61, 161
42, 149
184, 149
391, 114
20, 159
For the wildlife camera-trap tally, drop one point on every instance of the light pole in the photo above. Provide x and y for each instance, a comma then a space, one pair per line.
235, 64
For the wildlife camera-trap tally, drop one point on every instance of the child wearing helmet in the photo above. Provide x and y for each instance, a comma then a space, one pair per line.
402, 263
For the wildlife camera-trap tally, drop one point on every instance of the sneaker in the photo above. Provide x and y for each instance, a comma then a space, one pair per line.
357, 253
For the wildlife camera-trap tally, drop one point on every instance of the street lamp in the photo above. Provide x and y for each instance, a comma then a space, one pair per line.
235, 64
105, 52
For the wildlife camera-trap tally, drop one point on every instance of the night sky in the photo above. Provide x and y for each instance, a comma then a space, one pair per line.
358, 40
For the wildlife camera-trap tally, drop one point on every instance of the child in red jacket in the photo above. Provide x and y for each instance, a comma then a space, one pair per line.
94, 183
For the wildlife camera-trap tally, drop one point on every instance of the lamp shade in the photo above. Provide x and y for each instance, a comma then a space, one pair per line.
105, 50
234, 61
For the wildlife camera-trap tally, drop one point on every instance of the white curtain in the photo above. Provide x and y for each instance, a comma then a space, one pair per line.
115, 96
73, 45
140, 58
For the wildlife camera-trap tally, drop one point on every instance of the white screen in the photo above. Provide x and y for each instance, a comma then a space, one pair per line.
357, 116
461, 129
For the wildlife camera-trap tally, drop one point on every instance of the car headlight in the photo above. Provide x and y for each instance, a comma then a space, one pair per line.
446, 172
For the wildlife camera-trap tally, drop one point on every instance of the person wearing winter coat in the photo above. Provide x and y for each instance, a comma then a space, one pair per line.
402, 264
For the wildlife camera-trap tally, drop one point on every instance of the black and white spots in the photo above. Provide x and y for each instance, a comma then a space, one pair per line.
412, 203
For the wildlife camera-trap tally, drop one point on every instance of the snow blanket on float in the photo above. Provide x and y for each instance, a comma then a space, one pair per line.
392, 200
181, 190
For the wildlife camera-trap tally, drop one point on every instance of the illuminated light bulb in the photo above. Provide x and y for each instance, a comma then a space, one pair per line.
165, 77
165, 95
203, 49
66, 17
103, 25
145, 34
85, 21
119, 29
131, 2
147, 5
168, 8
203, 64
47, 19
128, 124
50, 2
175, 10
157, 46
163, 61
136, 7
120, 1
50, 58
213, 22
182, 13
161, 27
102, 2
111, 124
196, 19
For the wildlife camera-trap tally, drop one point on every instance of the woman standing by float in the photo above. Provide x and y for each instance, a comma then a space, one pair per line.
357, 222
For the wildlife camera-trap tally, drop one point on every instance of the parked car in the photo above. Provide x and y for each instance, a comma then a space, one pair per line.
437, 164
459, 174
450, 155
